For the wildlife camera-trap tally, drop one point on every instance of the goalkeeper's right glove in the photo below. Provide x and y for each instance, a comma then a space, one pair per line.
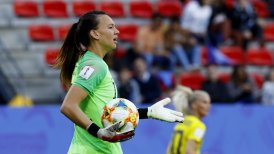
158, 111
110, 133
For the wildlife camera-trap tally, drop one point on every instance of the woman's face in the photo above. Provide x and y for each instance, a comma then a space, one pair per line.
203, 105
107, 33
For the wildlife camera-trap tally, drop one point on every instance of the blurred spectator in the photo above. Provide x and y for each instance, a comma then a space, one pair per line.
148, 83
130, 56
149, 41
194, 22
270, 4
219, 25
214, 86
268, 89
176, 42
127, 87
113, 65
240, 87
244, 22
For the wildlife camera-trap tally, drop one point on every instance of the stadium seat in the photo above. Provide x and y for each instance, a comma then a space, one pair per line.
140, 9
193, 80
119, 53
55, 9
167, 79
25, 8
113, 8
258, 79
261, 57
81, 7
169, 8
268, 31
229, 3
41, 32
50, 55
235, 53
261, 8
63, 30
127, 32
225, 77
204, 55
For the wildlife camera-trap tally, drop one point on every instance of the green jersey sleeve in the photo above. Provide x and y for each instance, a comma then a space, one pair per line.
89, 74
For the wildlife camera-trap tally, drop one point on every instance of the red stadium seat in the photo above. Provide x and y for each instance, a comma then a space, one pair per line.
225, 77
127, 32
113, 8
268, 31
63, 30
55, 8
169, 8
261, 8
259, 80
81, 7
50, 55
229, 3
25, 8
260, 57
41, 32
193, 80
204, 55
119, 53
142, 9
235, 53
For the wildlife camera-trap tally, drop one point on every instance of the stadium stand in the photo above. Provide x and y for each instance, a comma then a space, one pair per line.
38, 28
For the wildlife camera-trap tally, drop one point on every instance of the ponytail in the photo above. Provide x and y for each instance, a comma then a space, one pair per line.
180, 98
69, 55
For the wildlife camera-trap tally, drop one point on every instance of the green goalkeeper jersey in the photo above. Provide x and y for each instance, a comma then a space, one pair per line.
92, 74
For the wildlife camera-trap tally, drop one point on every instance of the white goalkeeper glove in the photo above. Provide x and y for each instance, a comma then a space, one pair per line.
158, 111
110, 133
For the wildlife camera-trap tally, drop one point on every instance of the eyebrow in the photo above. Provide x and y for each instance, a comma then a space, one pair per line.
111, 24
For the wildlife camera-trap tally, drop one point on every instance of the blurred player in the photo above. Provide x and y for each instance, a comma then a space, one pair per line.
91, 86
187, 137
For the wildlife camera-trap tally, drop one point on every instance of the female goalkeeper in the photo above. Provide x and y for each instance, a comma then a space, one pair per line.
187, 137
91, 86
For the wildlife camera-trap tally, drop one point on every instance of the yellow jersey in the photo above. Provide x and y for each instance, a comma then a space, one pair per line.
192, 129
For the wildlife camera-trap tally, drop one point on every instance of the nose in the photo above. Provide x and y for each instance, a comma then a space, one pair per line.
117, 31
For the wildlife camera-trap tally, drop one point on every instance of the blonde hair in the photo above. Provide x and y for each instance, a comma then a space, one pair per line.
180, 98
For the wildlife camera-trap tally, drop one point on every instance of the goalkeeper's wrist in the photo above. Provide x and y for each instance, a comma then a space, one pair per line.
143, 113
93, 129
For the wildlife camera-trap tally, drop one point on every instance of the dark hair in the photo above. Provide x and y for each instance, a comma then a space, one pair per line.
72, 48
156, 16
174, 19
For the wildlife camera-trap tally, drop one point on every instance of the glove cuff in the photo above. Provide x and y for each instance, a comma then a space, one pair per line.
93, 129
143, 113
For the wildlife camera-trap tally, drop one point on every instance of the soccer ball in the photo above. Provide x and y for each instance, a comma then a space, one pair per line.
120, 109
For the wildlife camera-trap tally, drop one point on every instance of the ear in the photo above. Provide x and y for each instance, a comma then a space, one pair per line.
94, 34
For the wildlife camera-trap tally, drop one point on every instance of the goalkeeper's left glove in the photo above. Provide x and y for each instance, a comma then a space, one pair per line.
158, 111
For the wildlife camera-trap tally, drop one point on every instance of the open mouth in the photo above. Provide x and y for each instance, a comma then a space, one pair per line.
115, 40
